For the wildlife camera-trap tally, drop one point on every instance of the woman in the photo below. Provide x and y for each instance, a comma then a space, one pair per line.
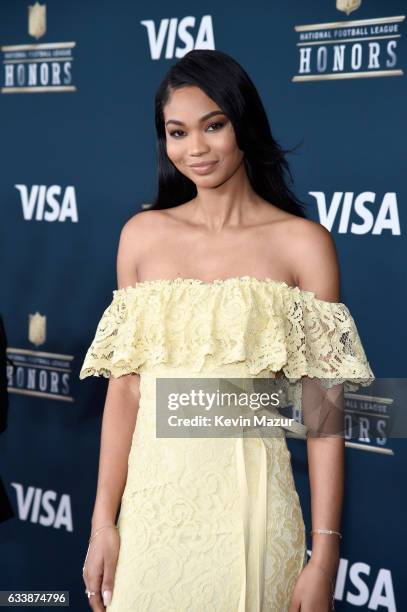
223, 277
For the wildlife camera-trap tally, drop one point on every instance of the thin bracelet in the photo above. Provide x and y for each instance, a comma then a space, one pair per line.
328, 531
91, 538
100, 529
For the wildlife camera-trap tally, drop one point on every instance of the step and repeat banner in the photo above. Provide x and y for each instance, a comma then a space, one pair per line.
77, 87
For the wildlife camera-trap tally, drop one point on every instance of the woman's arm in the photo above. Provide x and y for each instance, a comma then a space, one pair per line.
319, 272
119, 420
121, 404
326, 470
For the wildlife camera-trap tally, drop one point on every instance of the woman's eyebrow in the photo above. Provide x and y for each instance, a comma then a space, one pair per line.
203, 118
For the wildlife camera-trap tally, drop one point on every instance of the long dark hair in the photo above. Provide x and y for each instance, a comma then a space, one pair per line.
225, 81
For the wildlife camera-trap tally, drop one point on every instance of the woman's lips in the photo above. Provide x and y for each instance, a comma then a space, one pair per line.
204, 169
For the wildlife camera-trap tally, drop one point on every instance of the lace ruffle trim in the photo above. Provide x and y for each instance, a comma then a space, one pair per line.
187, 322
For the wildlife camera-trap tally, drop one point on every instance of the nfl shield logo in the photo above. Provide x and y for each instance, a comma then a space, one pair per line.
36, 328
37, 23
348, 6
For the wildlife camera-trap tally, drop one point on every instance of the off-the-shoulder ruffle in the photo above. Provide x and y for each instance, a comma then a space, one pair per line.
265, 323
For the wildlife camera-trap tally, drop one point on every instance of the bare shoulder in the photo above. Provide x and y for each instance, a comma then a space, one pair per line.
307, 231
143, 221
136, 238
314, 258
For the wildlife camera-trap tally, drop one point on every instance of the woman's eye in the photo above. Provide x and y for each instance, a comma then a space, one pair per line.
175, 132
221, 123
217, 125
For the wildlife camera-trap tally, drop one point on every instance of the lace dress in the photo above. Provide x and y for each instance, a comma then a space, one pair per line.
214, 524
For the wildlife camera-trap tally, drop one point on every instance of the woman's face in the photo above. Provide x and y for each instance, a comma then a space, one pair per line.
198, 132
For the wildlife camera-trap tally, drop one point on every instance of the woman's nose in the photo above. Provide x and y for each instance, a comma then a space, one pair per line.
197, 144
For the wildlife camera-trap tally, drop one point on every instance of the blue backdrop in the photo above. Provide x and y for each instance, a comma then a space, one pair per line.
78, 159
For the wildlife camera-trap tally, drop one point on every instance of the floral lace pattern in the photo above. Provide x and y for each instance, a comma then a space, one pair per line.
182, 545
266, 324
193, 538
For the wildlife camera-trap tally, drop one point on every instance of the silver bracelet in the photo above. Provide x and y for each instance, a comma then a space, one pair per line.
100, 529
93, 536
328, 531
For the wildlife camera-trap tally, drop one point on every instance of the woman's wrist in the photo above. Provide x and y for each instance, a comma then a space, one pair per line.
326, 552
330, 571
98, 524
95, 532
103, 518
323, 544
329, 561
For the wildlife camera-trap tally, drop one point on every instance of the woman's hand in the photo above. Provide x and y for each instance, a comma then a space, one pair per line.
313, 591
100, 567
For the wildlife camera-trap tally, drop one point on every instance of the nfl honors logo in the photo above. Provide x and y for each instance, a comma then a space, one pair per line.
37, 20
36, 328
349, 48
38, 372
40, 67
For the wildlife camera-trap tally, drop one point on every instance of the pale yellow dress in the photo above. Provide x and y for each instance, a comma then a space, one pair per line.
214, 524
